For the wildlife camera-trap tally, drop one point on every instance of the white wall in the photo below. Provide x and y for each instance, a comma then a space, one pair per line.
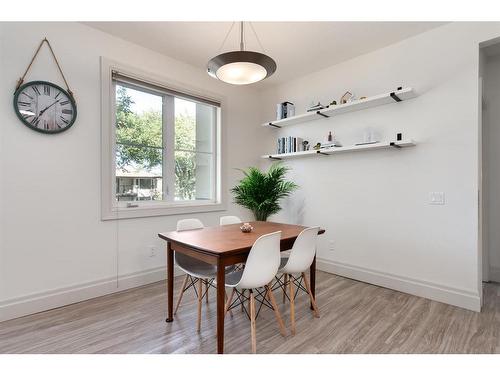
54, 249
491, 170
374, 205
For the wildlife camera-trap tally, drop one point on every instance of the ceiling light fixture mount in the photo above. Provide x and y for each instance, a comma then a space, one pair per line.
241, 67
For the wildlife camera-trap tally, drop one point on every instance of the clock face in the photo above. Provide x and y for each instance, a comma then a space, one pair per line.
45, 107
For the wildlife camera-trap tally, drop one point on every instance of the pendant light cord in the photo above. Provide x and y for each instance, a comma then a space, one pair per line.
257, 37
242, 39
242, 45
224, 41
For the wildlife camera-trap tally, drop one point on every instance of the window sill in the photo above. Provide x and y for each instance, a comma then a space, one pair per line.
118, 213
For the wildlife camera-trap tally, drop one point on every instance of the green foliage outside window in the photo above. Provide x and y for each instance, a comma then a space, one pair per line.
139, 143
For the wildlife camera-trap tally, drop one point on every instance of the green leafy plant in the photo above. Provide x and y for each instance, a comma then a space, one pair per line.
261, 192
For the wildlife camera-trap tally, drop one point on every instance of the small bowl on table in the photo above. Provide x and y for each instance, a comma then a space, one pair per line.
246, 228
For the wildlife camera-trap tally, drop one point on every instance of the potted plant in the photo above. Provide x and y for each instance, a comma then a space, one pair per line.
261, 192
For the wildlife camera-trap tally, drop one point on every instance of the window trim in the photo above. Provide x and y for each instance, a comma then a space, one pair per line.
110, 211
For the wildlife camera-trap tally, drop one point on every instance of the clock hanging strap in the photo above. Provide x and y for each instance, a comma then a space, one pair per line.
45, 40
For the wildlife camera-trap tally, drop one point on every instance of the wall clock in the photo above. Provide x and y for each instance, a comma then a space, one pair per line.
45, 107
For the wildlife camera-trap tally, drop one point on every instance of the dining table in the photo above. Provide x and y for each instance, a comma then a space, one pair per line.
222, 246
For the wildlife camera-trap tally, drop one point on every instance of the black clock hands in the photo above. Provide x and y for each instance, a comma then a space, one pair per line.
43, 110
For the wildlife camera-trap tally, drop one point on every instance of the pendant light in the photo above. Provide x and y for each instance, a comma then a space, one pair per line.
241, 67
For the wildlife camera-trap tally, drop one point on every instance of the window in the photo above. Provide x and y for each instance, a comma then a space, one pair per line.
165, 146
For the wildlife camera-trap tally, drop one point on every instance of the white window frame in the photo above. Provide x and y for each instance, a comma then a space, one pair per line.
110, 208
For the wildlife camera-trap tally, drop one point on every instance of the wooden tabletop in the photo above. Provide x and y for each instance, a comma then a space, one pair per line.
229, 238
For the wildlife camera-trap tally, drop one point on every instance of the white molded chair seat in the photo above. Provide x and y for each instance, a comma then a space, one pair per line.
299, 260
226, 220
283, 262
262, 263
199, 272
233, 278
195, 267
196, 270
260, 269
302, 254
190, 265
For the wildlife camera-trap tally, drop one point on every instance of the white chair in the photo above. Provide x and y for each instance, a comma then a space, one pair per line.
226, 220
260, 269
300, 259
197, 272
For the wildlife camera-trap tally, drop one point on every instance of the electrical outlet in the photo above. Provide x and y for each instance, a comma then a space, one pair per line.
152, 251
436, 197
331, 245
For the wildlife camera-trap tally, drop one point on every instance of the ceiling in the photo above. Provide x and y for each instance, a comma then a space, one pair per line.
299, 48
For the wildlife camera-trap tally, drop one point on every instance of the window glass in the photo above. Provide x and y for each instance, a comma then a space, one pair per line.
164, 146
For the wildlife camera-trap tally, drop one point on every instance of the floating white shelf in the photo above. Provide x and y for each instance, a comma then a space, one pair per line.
336, 150
371, 101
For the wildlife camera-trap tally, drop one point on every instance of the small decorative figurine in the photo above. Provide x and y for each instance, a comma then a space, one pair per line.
330, 137
346, 97
305, 145
318, 146
246, 228
334, 102
363, 97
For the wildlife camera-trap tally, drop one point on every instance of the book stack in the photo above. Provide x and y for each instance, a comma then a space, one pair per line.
289, 144
285, 110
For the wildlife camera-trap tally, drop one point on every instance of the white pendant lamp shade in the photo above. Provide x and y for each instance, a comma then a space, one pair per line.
241, 73
241, 67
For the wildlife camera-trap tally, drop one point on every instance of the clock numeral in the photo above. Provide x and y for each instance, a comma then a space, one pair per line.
35, 121
26, 115
35, 89
64, 102
46, 90
67, 111
24, 104
29, 96
45, 124
59, 93
64, 120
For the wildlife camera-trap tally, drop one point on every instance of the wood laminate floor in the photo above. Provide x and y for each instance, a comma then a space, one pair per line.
355, 318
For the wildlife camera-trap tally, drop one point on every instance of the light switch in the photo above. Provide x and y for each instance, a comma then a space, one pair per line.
436, 197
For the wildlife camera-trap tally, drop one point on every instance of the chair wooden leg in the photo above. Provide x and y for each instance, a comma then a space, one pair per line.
313, 300
277, 314
186, 278
228, 302
252, 322
285, 282
200, 299
292, 306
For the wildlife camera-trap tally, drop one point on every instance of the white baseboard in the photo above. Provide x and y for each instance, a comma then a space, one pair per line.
494, 274
441, 293
33, 303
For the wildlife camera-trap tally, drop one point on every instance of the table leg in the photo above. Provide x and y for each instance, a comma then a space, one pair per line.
312, 279
170, 283
221, 293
